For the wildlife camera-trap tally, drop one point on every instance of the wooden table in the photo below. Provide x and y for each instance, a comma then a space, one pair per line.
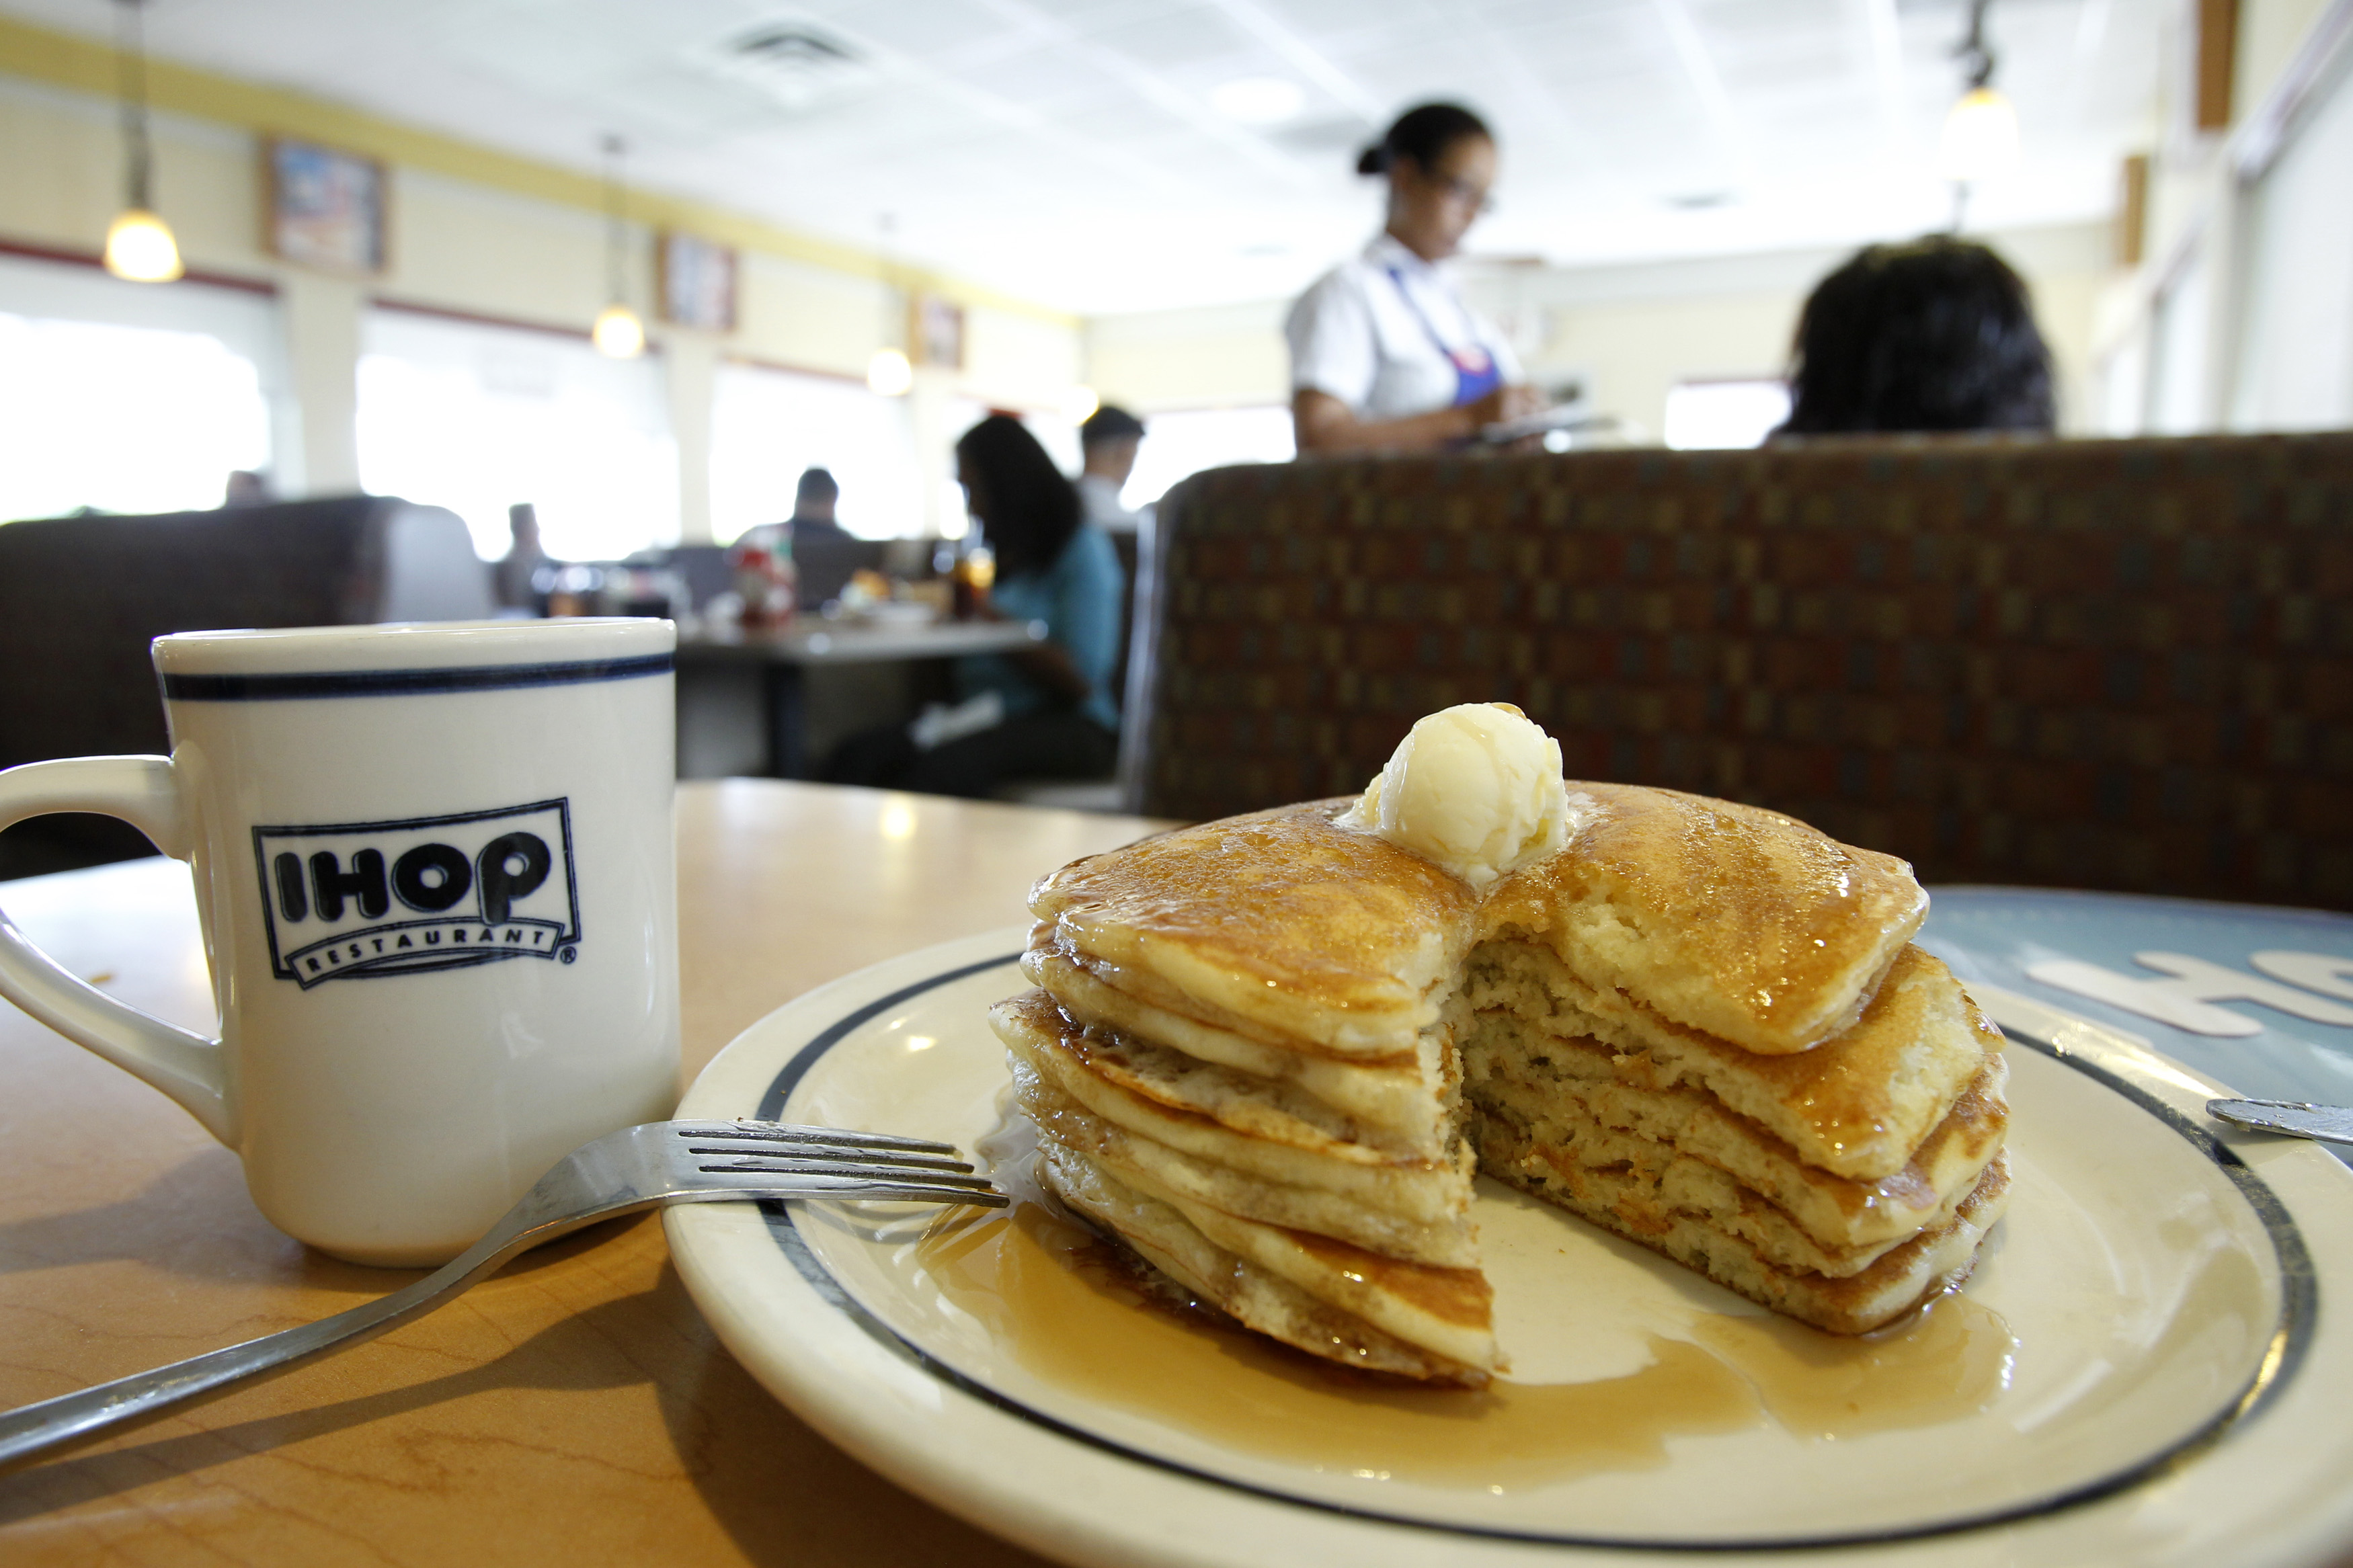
777, 701
573, 1410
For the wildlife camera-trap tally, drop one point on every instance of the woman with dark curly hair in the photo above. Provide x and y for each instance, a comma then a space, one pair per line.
1048, 711
1936, 336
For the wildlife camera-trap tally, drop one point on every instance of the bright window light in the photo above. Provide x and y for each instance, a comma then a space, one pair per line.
1702, 414
767, 426
1178, 445
477, 419
128, 419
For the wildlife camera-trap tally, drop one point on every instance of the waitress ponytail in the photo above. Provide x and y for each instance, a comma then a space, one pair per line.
1423, 133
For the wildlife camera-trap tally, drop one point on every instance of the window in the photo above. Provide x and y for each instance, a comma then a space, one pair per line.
2179, 338
2295, 287
131, 419
478, 418
1178, 445
1720, 414
767, 426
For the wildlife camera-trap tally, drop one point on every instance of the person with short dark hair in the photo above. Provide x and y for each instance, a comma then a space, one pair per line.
1931, 336
513, 580
1384, 356
814, 501
1108, 443
1048, 711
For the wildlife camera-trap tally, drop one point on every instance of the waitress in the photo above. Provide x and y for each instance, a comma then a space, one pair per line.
1384, 354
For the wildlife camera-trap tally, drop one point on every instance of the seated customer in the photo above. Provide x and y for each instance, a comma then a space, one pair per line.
1108, 442
1054, 715
813, 506
1936, 336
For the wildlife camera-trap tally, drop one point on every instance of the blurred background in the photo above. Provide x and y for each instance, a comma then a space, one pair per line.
846, 230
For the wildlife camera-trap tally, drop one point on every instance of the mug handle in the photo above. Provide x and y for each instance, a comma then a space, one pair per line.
142, 793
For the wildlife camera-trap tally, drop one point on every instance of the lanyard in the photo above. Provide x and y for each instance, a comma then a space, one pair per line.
1475, 371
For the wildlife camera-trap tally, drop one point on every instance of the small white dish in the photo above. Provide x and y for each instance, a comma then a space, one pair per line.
2140, 1371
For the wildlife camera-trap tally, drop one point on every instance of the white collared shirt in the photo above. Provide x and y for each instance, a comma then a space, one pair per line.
1374, 332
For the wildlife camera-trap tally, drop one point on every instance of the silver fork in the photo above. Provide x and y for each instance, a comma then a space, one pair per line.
654, 1165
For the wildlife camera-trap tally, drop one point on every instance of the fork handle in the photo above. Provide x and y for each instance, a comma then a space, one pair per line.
35, 1429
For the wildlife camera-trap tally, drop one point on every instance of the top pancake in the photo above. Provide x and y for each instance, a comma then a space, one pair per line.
1739, 922
1328, 936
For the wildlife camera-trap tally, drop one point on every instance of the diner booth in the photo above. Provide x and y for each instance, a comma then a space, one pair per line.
2118, 665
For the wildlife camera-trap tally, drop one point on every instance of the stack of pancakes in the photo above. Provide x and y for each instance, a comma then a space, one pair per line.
1267, 1055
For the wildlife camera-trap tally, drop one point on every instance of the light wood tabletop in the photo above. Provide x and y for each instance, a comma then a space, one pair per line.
575, 1409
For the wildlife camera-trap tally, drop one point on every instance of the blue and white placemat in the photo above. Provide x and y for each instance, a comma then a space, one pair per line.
2260, 998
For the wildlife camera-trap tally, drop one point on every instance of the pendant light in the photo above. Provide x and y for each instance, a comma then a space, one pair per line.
889, 374
1981, 139
618, 333
139, 245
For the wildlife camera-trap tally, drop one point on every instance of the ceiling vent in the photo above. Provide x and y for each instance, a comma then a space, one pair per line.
801, 67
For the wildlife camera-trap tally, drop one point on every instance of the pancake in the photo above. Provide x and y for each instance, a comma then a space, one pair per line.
1271, 1055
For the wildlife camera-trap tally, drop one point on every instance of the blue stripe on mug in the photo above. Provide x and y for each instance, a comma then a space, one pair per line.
407, 682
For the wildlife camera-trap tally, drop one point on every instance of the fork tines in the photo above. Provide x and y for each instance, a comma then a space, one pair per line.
781, 1133
825, 1161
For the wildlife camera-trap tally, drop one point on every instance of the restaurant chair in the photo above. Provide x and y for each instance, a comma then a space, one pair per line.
2121, 664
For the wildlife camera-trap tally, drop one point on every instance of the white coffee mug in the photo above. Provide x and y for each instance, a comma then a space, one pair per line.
436, 871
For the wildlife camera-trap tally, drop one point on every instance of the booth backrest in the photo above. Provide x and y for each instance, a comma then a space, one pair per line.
2121, 664
82, 597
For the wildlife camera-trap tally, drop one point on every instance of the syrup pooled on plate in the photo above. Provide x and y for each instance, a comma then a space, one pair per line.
1072, 1308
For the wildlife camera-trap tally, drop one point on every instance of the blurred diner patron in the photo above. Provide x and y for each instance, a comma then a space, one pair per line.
814, 501
1108, 440
1934, 335
1045, 711
510, 579
1384, 356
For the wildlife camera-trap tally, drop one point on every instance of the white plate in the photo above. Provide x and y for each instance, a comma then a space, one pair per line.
2141, 1369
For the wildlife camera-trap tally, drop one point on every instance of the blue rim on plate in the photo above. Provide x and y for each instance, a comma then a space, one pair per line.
2290, 1340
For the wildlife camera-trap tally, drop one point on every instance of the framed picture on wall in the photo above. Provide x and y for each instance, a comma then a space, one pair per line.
326, 207
698, 283
939, 332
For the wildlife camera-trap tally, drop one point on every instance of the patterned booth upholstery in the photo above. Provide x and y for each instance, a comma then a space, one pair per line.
2122, 665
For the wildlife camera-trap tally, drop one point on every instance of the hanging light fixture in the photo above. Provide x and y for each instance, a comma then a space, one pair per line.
889, 374
618, 333
139, 245
1980, 139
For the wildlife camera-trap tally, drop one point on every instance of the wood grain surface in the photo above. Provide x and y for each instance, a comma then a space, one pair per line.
573, 1410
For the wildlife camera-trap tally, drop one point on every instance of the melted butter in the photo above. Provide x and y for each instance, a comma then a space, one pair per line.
1068, 1306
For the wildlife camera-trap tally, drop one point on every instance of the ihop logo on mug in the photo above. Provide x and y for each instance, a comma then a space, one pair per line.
370, 899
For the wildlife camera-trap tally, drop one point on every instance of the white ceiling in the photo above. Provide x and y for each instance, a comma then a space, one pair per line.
1068, 151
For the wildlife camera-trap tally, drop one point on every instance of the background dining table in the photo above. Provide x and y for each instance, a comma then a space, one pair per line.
574, 1409
776, 701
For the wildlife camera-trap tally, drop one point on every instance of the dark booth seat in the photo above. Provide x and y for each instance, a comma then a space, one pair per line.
2119, 664
82, 597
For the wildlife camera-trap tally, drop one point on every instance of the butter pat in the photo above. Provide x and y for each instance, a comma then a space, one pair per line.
1476, 788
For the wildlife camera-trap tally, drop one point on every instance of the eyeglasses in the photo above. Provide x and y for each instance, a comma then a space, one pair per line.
1475, 197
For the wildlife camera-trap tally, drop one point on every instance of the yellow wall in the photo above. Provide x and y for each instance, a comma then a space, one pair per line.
1225, 357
